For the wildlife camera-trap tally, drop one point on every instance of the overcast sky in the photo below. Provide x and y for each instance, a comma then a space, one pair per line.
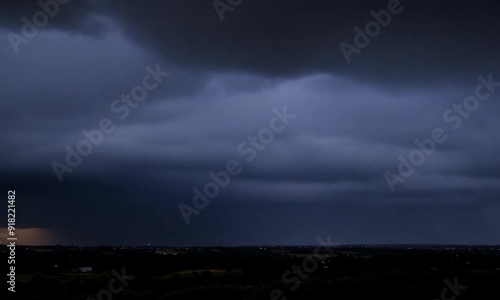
322, 175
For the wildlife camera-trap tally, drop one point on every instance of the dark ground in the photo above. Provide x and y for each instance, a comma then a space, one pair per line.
347, 272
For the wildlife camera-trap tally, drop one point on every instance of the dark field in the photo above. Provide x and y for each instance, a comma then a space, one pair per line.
347, 272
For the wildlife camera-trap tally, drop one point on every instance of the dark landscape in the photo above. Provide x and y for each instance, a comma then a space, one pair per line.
250, 149
343, 272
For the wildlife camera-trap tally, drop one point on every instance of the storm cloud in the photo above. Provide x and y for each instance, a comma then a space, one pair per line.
323, 174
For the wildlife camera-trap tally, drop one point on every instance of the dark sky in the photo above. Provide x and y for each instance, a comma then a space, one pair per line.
322, 175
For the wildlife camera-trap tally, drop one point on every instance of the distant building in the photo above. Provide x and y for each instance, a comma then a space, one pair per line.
85, 269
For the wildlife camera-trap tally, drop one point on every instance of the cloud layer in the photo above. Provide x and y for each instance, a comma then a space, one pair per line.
324, 174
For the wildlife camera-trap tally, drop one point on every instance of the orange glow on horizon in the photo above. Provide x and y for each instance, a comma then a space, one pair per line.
31, 236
